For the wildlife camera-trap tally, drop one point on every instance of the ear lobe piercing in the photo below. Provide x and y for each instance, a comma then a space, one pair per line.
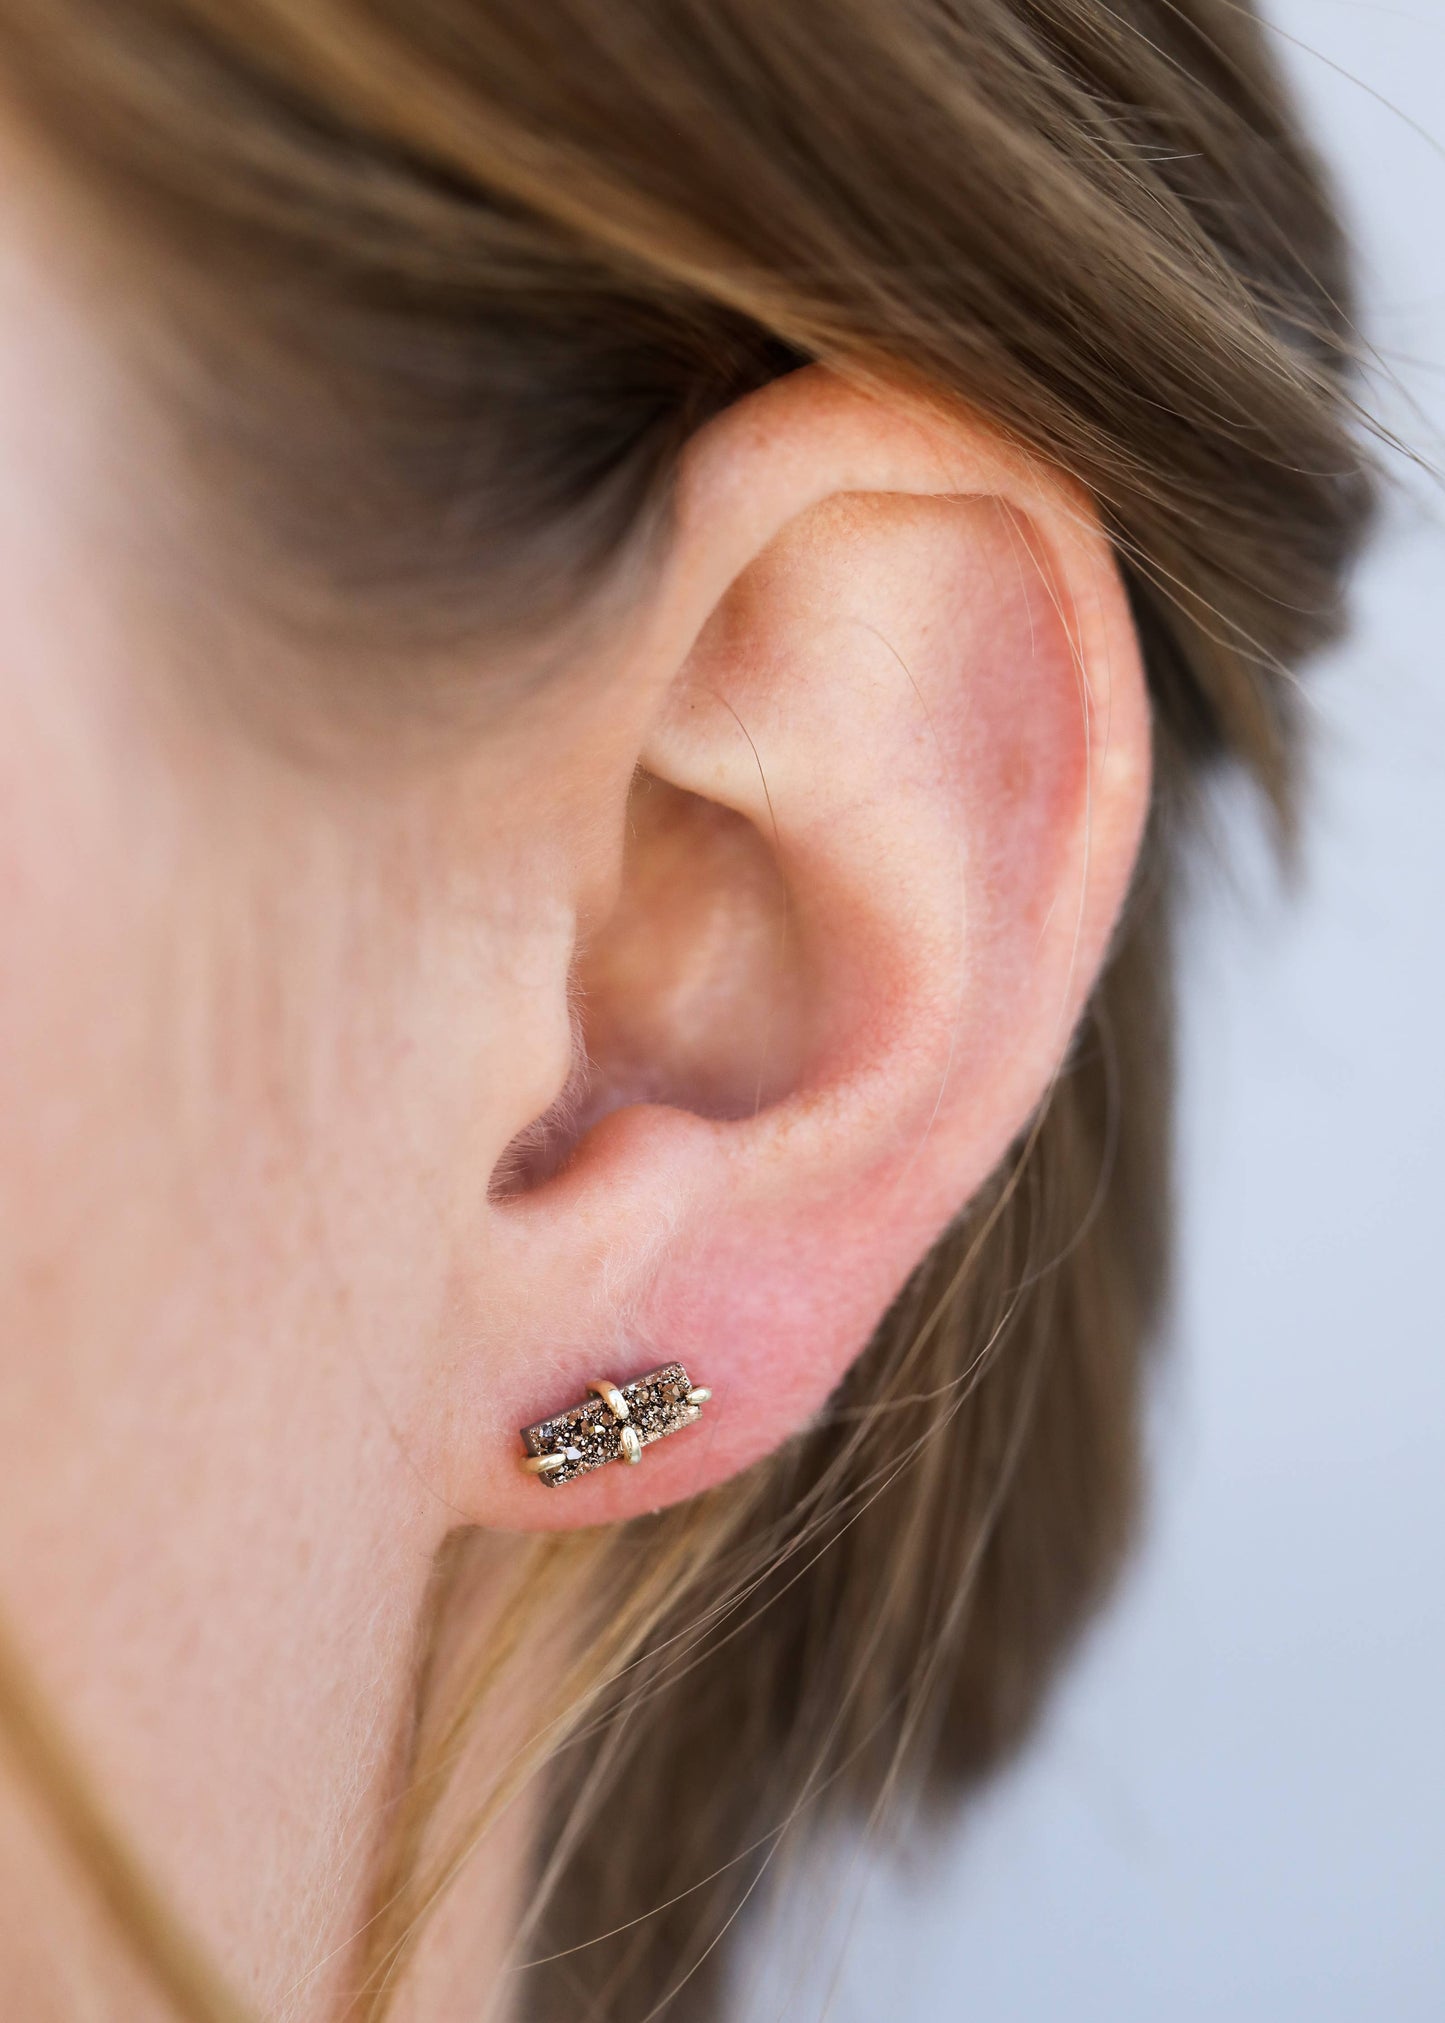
614, 1424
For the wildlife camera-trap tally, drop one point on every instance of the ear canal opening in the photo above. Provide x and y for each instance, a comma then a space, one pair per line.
693, 993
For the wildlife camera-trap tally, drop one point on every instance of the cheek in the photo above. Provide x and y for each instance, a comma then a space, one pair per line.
101, 1217
200, 1482
79, 885
88, 846
250, 1084
239, 1142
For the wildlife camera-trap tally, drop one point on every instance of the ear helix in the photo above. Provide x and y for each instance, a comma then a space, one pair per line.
614, 1424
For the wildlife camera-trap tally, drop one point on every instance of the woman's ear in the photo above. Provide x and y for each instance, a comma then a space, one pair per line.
890, 773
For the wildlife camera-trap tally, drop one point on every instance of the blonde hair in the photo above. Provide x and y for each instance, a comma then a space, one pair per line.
435, 241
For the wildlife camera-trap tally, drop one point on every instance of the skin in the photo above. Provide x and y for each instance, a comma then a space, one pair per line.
271, 1017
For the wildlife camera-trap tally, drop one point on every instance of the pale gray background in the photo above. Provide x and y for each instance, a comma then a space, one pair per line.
1237, 1808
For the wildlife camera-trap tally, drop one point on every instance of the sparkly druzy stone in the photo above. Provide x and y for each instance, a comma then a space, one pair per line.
588, 1436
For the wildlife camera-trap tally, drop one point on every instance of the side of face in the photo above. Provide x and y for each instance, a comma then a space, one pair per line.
768, 921
263, 1034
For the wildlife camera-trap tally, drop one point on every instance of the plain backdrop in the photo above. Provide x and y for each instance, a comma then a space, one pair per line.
1236, 1810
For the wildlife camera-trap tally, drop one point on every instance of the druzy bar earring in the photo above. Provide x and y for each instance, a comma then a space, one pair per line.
614, 1424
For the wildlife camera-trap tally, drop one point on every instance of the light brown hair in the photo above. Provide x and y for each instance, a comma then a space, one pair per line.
476, 269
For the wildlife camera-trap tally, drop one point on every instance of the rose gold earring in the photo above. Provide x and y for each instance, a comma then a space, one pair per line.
614, 1424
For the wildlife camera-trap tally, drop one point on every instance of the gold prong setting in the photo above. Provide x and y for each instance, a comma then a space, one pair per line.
614, 1423
612, 1398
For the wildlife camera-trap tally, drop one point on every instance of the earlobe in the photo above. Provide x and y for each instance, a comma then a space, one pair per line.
889, 800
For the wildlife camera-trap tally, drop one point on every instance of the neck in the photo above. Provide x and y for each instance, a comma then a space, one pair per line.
458, 1834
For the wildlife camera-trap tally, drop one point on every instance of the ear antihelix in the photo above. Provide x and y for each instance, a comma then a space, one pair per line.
614, 1424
